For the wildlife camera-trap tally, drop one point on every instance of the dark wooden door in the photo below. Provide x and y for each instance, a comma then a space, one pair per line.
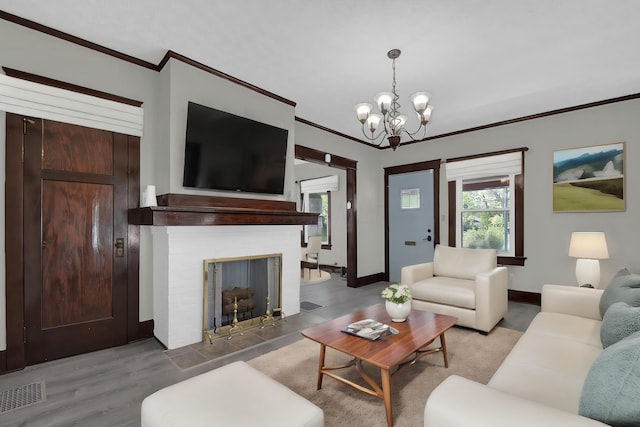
75, 240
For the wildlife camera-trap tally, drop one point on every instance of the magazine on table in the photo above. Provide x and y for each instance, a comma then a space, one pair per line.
370, 329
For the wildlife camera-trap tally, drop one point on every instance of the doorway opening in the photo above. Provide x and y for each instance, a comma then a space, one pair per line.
349, 166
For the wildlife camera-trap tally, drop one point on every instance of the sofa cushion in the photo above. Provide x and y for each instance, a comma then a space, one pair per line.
549, 367
567, 327
445, 290
623, 287
620, 321
462, 263
611, 389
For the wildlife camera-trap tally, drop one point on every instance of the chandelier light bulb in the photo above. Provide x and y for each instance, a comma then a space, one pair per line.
362, 111
426, 115
373, 121
383, 101
420, 101
397, 124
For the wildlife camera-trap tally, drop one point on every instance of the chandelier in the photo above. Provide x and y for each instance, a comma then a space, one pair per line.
392, 121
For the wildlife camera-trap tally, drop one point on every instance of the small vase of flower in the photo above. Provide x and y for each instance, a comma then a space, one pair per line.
397, 301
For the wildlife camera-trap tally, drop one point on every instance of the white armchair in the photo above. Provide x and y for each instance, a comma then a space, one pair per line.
460, 282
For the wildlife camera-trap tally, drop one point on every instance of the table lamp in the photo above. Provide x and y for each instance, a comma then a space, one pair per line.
589, 248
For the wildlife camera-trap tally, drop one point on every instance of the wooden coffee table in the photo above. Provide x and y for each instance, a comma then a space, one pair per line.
388, 353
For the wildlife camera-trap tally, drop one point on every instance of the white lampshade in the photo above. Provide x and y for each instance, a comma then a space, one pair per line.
591, 245
426, 115
420, 100
384, 100
362, 111
373, 121
397, 124
589, 248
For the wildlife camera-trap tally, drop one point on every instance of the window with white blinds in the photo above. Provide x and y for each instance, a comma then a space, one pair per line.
32, 99
487, 189
316, 198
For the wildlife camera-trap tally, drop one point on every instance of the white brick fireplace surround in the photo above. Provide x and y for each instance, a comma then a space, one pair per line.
178, 271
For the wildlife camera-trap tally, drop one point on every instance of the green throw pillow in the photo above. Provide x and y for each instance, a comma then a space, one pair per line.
619, 321
611, 389
623, 287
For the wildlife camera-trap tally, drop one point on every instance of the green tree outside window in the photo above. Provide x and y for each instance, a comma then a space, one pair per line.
485, 215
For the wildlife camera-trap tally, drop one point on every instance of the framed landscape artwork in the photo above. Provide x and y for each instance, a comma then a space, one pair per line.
589, 179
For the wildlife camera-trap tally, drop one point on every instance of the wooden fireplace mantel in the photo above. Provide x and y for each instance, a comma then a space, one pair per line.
186, 209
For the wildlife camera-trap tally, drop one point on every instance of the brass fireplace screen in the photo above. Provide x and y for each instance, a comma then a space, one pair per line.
240, 293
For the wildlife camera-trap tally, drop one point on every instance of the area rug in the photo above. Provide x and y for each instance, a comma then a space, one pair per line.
471, 355
315, 277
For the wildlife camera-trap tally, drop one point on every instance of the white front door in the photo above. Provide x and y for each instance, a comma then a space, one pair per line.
411, 222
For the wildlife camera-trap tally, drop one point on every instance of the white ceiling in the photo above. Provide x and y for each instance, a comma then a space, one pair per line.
483, 61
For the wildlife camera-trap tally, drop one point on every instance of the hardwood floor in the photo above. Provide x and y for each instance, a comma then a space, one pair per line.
106, 388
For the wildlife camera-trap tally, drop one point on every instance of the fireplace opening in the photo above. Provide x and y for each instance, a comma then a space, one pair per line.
240, 293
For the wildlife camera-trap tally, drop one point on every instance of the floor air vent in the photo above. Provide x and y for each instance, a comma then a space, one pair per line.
22, 396
306, 305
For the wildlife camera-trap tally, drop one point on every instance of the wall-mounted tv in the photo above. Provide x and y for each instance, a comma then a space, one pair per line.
232, 153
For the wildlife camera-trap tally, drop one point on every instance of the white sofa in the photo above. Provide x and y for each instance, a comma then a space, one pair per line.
465, 283
540, 382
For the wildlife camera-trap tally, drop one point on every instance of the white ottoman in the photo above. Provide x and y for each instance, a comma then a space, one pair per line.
235, 394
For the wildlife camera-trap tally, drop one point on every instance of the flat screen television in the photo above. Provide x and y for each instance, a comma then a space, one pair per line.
232, 153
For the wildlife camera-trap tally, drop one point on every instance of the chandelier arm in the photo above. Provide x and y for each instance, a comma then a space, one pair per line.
411, 134
385, 122
381, 133
385, 130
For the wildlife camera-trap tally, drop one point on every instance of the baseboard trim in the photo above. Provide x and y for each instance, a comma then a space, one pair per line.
331, 268
525, 297
145, 329
161, 343
367, 280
